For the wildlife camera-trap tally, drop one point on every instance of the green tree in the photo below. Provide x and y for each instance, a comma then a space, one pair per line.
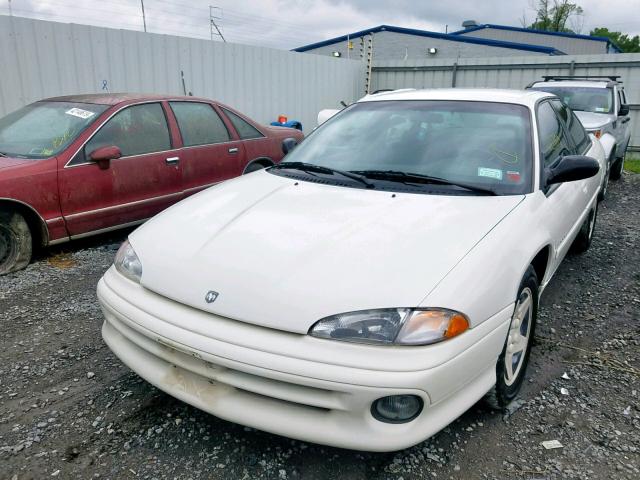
554, 15
626, 43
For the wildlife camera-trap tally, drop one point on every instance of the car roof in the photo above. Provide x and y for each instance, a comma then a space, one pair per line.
116, 98
522, 97
574, 83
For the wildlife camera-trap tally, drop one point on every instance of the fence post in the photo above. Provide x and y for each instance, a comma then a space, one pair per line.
454, 71
572, 67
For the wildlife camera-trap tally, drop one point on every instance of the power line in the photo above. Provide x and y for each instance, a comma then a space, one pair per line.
247, 28
213, 24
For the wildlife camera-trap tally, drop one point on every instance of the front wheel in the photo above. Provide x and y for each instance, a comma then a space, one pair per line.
617, 167
513, 361
15, 242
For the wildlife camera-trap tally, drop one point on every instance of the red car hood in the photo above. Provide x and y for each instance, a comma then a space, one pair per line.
6, 162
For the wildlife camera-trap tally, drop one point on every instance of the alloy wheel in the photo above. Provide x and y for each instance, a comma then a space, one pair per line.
518, 340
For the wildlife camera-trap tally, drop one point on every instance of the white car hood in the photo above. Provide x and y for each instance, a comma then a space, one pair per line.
591, 120
284, 254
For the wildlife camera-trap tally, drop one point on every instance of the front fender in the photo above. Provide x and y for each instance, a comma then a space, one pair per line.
486, 280
608, 143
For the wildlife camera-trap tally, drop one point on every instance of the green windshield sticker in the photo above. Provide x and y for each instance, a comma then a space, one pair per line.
506, 157
490, 173
59, 141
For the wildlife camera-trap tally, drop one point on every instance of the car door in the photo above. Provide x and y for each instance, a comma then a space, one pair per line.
209, 153
142, 182
623, 124
564, 203
257, 145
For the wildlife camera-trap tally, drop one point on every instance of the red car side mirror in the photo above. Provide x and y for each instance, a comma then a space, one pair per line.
103, 155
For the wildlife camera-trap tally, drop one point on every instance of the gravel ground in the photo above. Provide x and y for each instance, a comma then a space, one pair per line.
69, 409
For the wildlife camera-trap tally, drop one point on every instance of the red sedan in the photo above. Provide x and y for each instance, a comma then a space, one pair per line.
81, 165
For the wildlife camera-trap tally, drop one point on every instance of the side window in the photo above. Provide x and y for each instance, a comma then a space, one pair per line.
624, 96
136, 130
553, 143
245, 129
573, 126
199, 123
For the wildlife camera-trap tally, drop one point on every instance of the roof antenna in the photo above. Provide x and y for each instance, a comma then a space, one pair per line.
184, 87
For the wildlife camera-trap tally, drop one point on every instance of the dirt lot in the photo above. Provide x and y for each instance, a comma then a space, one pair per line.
69, 409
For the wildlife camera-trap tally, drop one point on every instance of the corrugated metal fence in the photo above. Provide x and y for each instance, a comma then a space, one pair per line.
512, 72
43, 59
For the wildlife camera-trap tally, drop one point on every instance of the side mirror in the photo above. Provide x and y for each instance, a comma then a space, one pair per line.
571, 168
624, 110
288, 144
325, 115
103, 155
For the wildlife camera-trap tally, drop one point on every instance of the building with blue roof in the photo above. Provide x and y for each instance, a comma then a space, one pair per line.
387, 42
569, 43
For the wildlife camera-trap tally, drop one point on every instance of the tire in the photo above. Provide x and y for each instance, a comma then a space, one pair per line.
15, 242
582, 242
605, 184
513, 360
617, 167
254, 167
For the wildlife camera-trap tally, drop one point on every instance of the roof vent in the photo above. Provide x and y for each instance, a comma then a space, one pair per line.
469, 24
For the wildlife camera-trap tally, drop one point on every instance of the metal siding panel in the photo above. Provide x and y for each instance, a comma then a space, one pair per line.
45, 59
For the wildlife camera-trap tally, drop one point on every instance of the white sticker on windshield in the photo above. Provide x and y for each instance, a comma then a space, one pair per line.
490, 172
600, 109
80, 113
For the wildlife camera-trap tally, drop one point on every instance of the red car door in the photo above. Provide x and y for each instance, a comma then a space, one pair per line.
146, 179
256, 143
210, 153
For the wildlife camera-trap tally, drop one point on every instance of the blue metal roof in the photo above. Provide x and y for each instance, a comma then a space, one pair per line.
425, 33
542, 32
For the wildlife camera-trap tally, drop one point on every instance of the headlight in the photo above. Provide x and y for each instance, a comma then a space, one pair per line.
128, 263
392, 326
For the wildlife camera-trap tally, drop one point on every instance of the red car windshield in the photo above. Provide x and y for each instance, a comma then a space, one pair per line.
43, 129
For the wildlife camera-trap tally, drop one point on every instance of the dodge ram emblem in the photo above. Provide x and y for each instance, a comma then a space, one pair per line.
211, 296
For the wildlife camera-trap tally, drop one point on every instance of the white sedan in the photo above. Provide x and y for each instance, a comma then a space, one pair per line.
374, 286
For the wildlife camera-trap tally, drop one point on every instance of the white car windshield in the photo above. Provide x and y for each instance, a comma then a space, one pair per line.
44, 129
584, 99
484, 145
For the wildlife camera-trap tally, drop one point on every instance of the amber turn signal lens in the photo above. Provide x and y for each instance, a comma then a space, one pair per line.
457, 325
598, 133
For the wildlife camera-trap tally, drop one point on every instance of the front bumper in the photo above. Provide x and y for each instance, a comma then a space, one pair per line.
264, 378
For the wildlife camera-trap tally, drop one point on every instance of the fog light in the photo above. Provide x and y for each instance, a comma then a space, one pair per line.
397, 408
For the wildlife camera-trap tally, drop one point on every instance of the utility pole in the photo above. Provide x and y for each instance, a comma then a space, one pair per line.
212, 23
144, 19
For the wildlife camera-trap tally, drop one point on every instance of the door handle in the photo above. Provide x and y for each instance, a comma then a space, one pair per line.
172, 160
233, 150
626, 119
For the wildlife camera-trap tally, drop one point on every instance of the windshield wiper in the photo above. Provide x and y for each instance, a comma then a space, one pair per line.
408, 177
312, 168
